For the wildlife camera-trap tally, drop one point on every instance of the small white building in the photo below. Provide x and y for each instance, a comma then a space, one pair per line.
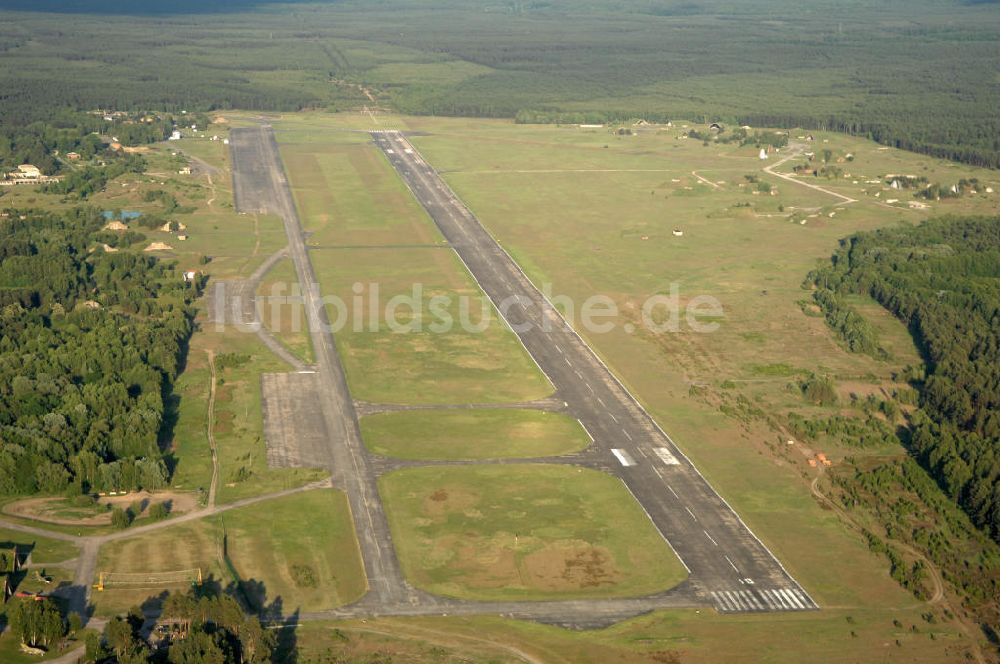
27, 171
763, 154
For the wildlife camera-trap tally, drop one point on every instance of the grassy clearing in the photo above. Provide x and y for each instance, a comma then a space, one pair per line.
524, 532
300, 549
472, 434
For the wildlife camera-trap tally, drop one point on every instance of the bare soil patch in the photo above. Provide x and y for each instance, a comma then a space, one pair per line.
60, 511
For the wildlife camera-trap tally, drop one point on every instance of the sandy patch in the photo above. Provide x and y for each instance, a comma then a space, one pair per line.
60, 511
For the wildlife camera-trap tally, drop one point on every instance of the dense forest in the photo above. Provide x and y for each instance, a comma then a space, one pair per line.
91, 344
919, 75
942, 279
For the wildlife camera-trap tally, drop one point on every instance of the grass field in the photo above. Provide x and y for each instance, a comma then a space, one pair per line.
524, 532
372, 242
300, 549
472, 434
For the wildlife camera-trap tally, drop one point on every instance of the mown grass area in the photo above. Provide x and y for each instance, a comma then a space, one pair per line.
299, 548
524, 532
472, 434
287, 321
403, 357
371, 243
187, 546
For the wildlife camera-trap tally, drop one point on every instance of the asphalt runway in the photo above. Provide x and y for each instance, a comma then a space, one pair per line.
729, 567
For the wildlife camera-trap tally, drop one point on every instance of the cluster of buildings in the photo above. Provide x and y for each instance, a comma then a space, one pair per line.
26, 174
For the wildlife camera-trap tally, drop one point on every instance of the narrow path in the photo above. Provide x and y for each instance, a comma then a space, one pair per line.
937, 579
211, 185
210, 426
796, 152
705, 180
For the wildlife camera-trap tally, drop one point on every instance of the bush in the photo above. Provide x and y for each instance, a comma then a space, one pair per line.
820, 390
158, 511
121, 519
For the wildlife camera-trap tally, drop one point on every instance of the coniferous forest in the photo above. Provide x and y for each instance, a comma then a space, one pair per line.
916, 75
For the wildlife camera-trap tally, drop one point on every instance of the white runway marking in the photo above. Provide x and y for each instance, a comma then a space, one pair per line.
627, 435
673, 492
805, 598
731, 564
613, 417
666, 456
710, 538
558, 348
776, 598
691, 514
601, 402
623, 458
787, 594
756, 601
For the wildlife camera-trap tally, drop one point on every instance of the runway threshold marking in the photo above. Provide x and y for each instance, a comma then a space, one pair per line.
666, 456
623, 457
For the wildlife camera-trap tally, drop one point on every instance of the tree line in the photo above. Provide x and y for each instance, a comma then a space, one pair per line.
939, 279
